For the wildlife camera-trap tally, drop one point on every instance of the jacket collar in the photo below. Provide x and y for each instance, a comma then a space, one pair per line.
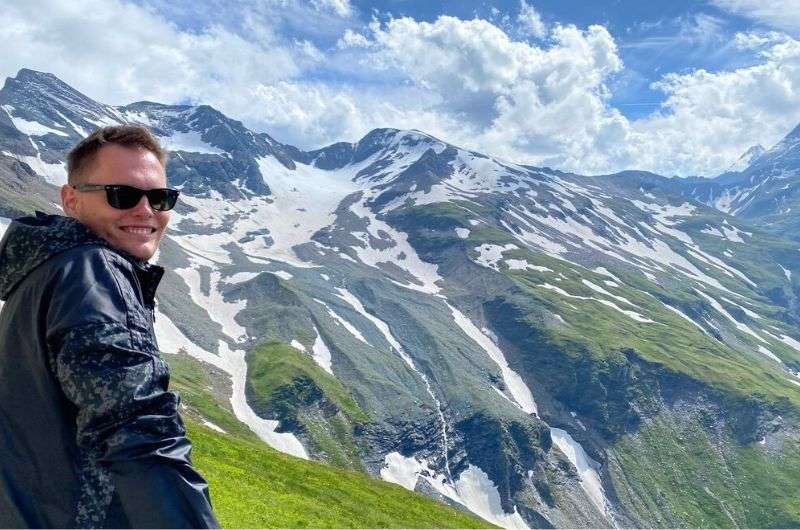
30, 241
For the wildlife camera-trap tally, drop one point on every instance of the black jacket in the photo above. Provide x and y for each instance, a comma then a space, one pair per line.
89, 434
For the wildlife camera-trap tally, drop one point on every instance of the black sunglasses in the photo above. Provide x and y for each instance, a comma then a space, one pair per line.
125, 197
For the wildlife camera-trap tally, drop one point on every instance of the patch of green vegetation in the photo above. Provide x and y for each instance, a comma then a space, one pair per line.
670, 471
444, 215
431, 227
484, 233
288, 385
205, 394
603, 332
606, 332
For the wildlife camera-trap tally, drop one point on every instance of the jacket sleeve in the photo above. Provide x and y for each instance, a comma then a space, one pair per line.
105, 359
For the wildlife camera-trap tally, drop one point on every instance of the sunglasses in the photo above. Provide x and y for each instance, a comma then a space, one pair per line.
125, 197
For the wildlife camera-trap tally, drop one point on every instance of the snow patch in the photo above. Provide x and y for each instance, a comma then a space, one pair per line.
473, 489
302, 201
213, 426
762, 350
222, 312
684, 316
31, 128
172, 340
587, 468
739, 325
321, 353
241, 277
341, 320
426, 274
521, 264
54, 173
514, 383
463, 233
630, 314
789, 341
489, 255
283, 275
190, 141
351, 299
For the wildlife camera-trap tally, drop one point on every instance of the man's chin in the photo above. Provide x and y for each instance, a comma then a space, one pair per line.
143, 252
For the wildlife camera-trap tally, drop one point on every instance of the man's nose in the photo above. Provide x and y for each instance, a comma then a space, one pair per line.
143, 207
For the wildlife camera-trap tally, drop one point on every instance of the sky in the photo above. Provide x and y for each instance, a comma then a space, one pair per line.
680, 87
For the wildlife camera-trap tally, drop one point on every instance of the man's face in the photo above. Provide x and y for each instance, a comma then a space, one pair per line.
137, 230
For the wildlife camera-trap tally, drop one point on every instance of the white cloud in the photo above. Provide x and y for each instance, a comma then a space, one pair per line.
128, 53
710, 118
340, 7
754, 40
515, 99
309, 50
550, 105
466, 81
530, 20
781, 14
700, 28
351, 39
310, 115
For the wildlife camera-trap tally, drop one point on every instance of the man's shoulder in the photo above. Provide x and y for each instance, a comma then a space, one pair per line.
89, 262
97, 254
89, 286
135, 279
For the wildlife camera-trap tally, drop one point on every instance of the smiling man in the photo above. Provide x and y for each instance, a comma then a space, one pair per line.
90, 436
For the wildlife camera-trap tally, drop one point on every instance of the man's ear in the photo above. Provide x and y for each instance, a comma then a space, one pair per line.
69, 199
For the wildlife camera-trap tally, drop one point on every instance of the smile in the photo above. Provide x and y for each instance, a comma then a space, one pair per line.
144, 230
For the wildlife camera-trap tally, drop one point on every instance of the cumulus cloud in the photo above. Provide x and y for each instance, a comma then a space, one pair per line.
351, 39
550, 105
752, 40
469, 82
119, 52
340, 7
530, 20
311, 114
518, 100
781, 14
709, 118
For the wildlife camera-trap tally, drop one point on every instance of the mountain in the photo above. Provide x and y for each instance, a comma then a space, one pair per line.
747, 159
541, 348
762, 187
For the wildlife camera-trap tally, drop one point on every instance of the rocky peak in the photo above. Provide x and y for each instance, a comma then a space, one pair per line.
43, 98
747, 158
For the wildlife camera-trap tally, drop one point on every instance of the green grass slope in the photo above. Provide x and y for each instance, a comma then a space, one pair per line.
672, 471
255, 486
287, 384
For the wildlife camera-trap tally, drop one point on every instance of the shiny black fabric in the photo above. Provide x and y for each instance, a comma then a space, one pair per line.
89, 434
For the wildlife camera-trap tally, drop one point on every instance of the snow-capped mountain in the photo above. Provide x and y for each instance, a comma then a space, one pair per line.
538, 347
762, 187
747, 159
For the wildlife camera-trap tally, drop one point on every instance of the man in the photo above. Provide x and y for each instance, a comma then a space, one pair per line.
89, 434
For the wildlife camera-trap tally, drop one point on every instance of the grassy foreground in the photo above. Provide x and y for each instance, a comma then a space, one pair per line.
255, 486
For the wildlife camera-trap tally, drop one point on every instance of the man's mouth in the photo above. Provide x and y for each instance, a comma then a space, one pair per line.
139, 230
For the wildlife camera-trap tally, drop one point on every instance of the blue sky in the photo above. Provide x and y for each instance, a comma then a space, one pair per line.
676, 87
